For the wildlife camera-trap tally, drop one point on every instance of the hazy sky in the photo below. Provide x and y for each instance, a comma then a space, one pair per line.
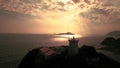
54, 16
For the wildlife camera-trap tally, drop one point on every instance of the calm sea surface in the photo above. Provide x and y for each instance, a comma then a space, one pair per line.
13, 47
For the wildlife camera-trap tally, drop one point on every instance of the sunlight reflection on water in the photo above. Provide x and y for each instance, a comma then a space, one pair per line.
62, 38
59, 39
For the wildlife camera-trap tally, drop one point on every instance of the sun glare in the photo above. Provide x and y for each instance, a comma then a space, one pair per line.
69, 20
63, 1
71, 36
62, 38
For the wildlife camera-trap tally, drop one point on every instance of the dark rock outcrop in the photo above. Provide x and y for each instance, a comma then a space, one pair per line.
109, 41
114, 33
112, 44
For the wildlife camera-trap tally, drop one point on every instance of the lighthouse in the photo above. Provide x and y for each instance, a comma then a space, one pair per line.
73, 46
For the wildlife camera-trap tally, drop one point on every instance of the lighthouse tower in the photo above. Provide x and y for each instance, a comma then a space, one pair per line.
73, 47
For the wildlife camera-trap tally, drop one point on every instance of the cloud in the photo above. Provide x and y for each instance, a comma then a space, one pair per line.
76, 13
76, 1
14, 16
32, 1
109, 3
34, 7
106, 12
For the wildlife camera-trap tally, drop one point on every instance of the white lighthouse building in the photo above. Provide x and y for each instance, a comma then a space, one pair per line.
73, 47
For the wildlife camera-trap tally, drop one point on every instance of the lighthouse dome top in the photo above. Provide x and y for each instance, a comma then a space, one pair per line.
73, 39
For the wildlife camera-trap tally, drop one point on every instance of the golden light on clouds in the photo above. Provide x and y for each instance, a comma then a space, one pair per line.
61, 21
63, 1
66, 20
54, 16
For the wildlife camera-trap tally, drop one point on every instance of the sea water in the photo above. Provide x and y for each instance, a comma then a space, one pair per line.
13, 47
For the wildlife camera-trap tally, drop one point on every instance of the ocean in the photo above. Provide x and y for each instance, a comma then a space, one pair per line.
13, 47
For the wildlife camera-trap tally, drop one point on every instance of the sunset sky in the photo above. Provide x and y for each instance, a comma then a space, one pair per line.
55, 16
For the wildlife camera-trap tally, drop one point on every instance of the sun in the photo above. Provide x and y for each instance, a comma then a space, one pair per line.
63, 1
